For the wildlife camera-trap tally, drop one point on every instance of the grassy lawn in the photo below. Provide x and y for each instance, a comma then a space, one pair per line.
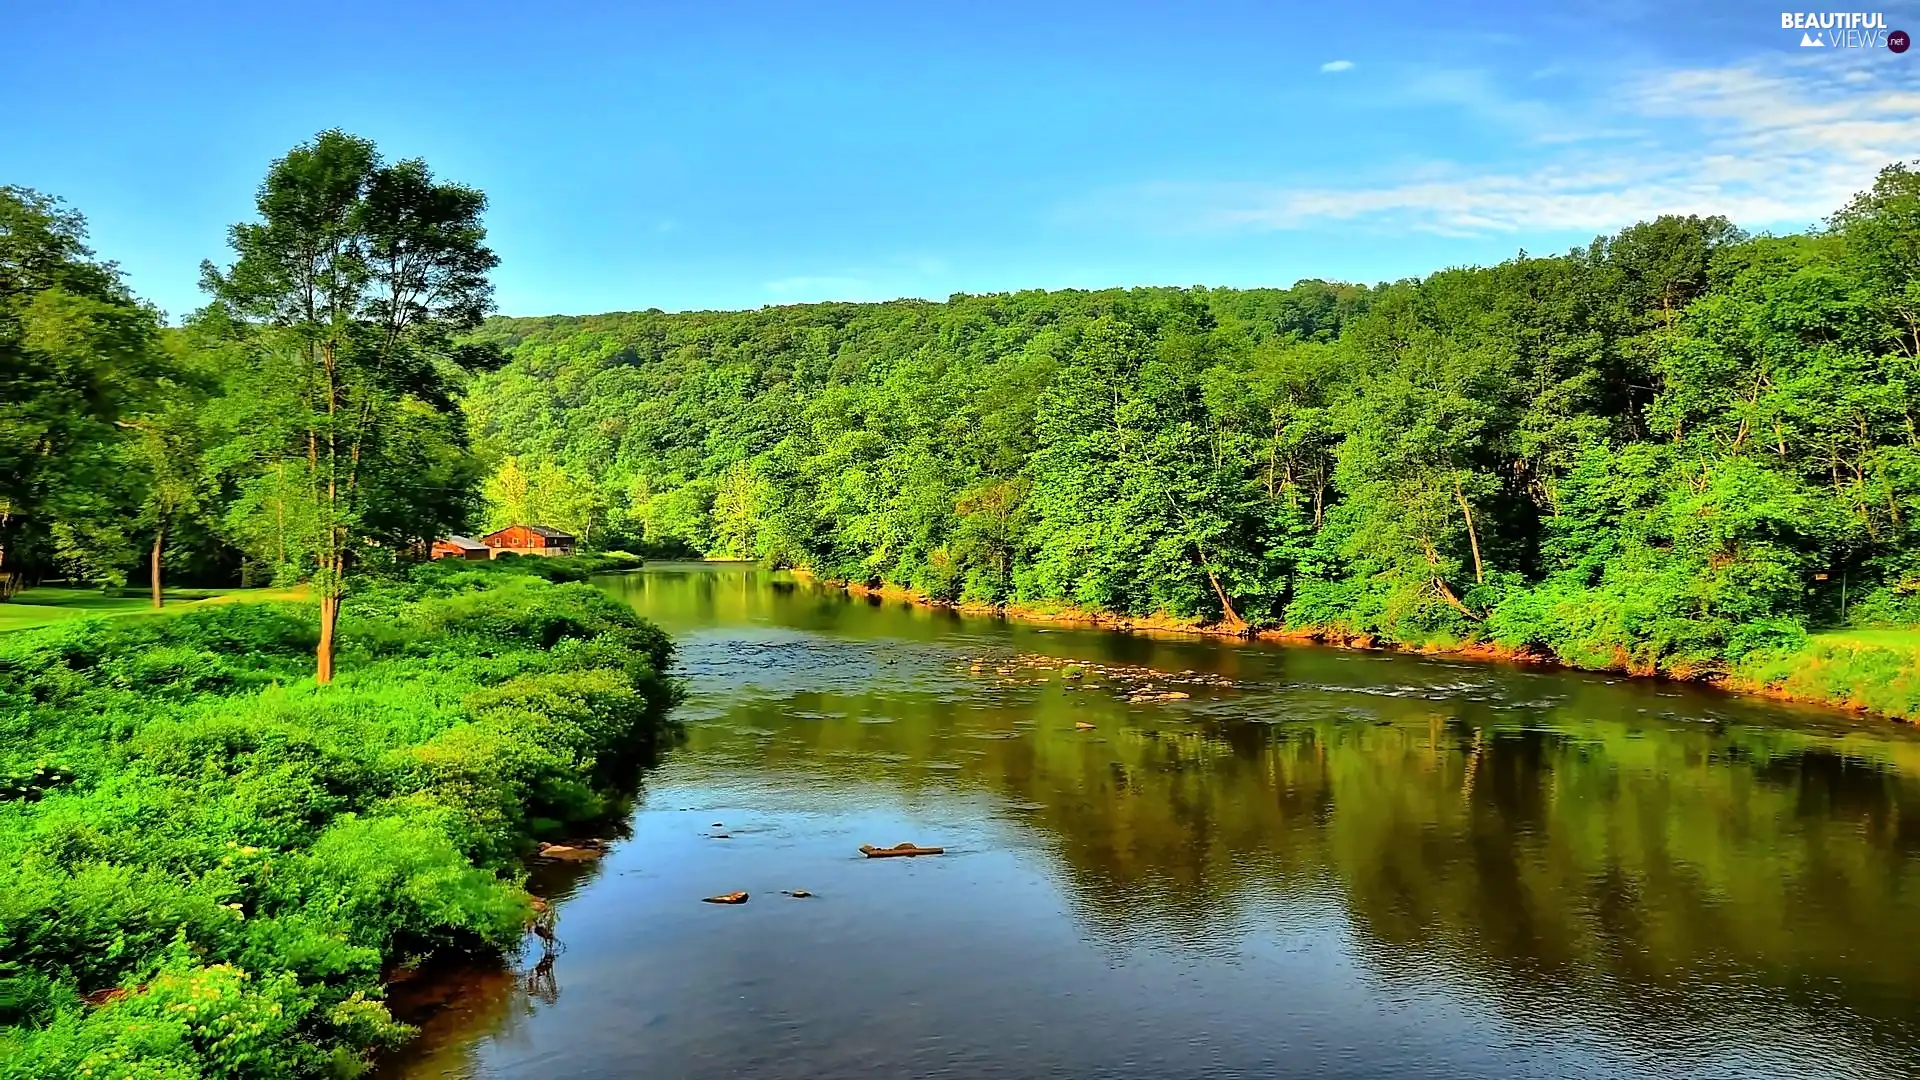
1876, 669
53, 603
1908, 638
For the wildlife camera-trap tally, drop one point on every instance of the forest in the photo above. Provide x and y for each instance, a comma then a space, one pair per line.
1682, 449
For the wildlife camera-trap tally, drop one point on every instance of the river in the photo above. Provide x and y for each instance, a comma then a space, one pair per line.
1316, 863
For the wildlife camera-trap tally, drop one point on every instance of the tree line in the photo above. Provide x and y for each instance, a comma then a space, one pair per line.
1661, 451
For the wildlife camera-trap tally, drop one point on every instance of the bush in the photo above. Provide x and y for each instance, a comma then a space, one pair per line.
234, 855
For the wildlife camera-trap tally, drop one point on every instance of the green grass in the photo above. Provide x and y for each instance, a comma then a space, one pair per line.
51, 603
1876, 669
1908, 638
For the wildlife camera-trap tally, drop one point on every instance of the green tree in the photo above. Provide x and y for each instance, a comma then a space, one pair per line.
166, 452
348, 293
76, 352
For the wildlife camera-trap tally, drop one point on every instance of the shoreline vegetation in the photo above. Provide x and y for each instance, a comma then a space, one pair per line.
218, 862
1834, 671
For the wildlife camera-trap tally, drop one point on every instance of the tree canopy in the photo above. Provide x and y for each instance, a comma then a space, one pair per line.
76, 353
344, 300
1659, 451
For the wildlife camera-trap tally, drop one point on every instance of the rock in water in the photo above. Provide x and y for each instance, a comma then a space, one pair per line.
872, 852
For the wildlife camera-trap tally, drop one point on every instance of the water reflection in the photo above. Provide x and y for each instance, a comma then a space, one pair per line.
1313, 863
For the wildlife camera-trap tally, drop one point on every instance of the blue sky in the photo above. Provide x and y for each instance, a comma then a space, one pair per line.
725, 155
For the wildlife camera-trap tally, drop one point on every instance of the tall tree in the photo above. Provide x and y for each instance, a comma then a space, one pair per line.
165, 454
75, 349
349, 292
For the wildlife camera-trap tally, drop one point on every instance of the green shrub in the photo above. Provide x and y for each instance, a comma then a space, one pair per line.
190, 821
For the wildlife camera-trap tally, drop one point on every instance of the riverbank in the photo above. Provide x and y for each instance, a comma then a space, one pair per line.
1872, 674
216, 862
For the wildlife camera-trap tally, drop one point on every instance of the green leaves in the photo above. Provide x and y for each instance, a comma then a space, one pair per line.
77, 355
343, 302
1654, 451
235, 858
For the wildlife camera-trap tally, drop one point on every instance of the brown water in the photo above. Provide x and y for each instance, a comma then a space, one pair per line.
1318, 863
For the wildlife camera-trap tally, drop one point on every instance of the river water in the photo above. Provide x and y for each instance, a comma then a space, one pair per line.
1316, 863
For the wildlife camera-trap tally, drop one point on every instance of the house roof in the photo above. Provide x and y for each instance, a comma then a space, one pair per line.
537, 530
467, 542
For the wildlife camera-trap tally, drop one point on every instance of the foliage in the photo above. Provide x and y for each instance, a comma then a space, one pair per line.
77, 351
1662, 452
234, 856
341, 304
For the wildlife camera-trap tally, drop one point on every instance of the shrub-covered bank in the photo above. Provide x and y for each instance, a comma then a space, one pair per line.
211, 861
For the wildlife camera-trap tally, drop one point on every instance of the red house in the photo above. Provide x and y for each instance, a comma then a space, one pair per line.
529, 540
459, 547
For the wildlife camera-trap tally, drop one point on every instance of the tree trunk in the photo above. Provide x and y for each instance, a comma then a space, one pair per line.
1233, 618
329, 615
9, 577
159, 542
1440, 583
1473, 538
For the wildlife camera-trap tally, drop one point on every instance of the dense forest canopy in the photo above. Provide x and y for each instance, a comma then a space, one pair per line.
78, 357
1664, 450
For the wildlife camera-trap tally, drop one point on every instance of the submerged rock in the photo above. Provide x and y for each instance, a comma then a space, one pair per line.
1159, 695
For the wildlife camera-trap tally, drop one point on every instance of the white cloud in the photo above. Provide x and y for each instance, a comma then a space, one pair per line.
1773, 143
1336, 66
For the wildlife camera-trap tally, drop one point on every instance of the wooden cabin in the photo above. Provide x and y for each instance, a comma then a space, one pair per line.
529, 540
459, 547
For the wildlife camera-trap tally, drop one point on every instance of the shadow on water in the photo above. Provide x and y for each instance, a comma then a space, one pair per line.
1180, 857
